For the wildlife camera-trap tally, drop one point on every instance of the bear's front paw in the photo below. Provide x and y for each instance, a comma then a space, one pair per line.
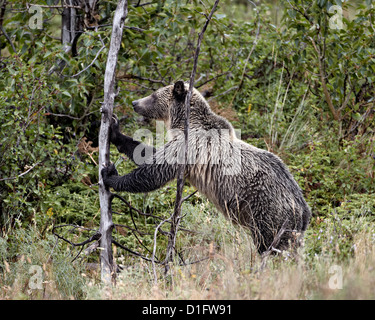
108, 172
114, 129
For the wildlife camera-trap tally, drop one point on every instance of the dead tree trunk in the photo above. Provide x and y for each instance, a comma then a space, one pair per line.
71, 27
108, 270
69, 24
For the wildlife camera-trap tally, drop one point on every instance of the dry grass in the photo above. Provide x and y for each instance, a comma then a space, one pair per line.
233, 271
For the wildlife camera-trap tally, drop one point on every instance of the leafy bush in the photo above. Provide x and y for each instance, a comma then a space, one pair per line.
34, 157
330, 173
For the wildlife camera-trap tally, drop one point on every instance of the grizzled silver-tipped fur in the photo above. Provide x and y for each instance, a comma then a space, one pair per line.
252, 187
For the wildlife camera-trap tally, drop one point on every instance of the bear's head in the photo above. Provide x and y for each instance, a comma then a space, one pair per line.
163, 103
168, 104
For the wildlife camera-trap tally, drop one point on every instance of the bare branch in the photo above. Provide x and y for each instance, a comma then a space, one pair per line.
189, 196
154, 249
96, 236
142, 4
129, 228
327, 96
22, 174
222, 93
2, 13
135, 28
133, 76
135, 209
92, 62
61, 6
303, 13
211, 79
175, 218
133, 252
69, 116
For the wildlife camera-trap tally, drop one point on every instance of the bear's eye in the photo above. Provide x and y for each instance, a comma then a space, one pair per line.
154, 98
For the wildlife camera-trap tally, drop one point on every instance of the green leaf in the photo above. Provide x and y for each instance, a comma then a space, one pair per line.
220, 15
66, 93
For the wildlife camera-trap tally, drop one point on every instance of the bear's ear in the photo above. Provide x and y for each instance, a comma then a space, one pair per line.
179, 90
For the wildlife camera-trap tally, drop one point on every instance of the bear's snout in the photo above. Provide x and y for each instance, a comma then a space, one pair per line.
135, 104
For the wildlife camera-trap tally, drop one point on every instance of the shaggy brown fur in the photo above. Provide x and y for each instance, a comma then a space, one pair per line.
251, 186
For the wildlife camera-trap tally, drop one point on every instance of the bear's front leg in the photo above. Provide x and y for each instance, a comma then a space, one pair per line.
137, 151
145, 178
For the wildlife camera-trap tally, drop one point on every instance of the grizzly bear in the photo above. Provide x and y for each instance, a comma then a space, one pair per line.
251, 186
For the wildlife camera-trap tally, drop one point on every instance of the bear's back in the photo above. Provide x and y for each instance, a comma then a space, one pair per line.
259, 186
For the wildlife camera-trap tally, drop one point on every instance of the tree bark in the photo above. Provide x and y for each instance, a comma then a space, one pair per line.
70, 24
108, 269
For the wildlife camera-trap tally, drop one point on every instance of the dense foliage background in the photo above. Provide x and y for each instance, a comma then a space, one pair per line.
295, 77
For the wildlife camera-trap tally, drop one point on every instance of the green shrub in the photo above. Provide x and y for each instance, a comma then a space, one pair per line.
34, 157
329, 173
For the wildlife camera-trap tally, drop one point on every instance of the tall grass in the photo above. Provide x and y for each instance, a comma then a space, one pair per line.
34, 267
233, 269
336, 262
